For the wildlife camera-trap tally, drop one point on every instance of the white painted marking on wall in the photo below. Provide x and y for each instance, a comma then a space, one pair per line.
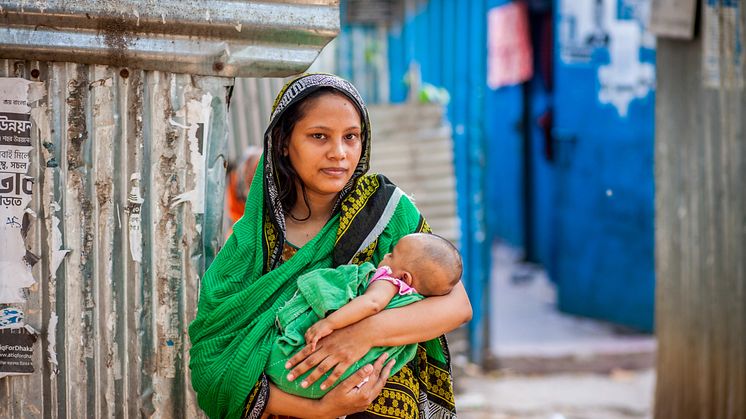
626, 78
176, 124
589, 25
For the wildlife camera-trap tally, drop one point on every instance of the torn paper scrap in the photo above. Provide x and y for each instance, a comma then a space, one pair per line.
52, 344
134, 208
198, 119
15, 277
58, 253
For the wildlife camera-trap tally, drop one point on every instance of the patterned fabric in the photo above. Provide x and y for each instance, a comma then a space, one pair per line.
436, 383
399, 399
288, 251
257, 400
365, 254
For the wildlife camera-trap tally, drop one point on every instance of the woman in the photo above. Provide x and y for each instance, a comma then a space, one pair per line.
312, 206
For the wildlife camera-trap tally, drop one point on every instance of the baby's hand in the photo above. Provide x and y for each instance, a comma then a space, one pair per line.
319, 330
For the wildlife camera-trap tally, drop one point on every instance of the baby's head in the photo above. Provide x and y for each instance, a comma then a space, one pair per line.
427, 262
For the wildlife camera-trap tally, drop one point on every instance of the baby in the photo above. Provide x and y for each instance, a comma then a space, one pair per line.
420, 265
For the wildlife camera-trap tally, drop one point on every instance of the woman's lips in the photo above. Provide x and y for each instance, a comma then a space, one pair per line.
334, 171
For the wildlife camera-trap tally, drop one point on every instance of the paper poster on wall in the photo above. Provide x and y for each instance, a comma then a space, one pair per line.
722, 55
16, 343
582, 29
16, 351
610, 35
15, 187
509, 53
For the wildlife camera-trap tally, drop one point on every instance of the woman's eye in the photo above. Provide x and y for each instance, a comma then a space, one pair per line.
318, 136
351, 136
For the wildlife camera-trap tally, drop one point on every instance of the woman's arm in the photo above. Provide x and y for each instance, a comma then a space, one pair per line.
375, 299
347, 398
417, 322
421, 321
281, 403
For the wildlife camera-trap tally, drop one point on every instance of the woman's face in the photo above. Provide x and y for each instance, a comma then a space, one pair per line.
326, 144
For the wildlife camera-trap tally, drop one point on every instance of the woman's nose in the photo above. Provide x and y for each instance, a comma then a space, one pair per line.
338, 149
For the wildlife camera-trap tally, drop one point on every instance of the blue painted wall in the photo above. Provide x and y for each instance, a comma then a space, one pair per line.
543, 175
542, 158
447, 38
603, 237
504, 153
360, 57
519, 202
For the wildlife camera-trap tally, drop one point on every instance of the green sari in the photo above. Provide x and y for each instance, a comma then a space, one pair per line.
248, 283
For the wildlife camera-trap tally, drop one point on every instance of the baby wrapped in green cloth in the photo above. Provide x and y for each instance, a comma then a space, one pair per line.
419, 266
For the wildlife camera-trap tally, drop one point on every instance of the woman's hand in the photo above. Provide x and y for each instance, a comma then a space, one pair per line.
338, 351
358, 391
354, 394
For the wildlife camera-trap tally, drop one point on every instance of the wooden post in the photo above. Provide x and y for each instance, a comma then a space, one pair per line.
701, 220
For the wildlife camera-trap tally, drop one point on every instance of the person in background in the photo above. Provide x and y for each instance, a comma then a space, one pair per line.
239, 180
311, 205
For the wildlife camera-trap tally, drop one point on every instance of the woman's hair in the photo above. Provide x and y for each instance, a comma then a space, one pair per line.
283, 129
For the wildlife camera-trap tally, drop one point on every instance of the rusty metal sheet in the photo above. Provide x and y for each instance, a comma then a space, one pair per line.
127, 202
222, 38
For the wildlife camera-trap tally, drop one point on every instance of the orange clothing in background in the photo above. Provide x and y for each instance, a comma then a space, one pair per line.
239, 182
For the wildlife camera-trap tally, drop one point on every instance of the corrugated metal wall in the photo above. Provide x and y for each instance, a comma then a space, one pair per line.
412, 145
128, 179
217, 38
362, 56
250, 108
128, 171
700, 159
